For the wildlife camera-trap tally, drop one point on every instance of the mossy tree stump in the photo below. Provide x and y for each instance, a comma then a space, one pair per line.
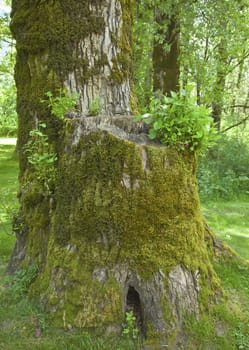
122, 228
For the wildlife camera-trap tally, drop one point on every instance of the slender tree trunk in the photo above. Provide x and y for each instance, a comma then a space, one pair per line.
238, 84
218, 93
166, 65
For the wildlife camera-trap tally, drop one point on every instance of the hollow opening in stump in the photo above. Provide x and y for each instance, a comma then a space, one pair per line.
133, 304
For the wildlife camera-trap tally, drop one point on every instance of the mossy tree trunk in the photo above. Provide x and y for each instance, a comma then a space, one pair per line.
83, 47
121, 228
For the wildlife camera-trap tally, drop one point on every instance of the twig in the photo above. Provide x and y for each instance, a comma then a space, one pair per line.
236, 124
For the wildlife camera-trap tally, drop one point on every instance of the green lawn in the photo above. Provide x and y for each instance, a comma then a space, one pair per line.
25, 326
8, 200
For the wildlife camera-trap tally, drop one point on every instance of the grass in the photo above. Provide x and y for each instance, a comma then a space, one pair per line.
229, 220
26, 326
8, 200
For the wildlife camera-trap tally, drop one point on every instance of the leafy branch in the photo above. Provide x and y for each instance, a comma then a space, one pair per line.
242, 121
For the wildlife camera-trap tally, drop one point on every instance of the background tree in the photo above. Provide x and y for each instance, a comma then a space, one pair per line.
214, 61
166, 63
212, 50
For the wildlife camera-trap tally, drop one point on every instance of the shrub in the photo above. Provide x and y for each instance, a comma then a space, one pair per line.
224, 171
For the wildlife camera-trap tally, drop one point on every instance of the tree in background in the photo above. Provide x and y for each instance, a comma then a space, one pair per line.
166, 48
212, 52
143, 52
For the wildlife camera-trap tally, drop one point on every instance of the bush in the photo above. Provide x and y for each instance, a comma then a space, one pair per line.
224, 171
8, 115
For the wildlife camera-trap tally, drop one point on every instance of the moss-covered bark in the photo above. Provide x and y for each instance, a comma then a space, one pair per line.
127, 216
82, 46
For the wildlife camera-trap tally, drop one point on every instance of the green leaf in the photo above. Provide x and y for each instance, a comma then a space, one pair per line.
152, 134
138, 118
157, 124
42, 125
49, 94
146, 116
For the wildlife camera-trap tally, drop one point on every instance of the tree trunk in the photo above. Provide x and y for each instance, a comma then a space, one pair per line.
219, 88
121, 229
166, 63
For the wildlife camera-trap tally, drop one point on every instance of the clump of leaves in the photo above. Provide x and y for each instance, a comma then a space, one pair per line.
62, 103
130, 330
241, 335
42, 157
8, 208
22, 280
177, 121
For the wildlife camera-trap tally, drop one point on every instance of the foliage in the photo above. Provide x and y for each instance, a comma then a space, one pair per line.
142, 53
95, 107
61, 104
22, 280
213, 52
242, 335
221, 174
8, 209
130, 330
8, 116
8, 188
41, 157
178, 122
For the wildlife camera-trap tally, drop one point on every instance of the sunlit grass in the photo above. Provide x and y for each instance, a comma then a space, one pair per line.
229, 221
8, 201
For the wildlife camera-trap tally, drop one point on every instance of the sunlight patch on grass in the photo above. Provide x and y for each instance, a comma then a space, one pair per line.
229, 221
8, 201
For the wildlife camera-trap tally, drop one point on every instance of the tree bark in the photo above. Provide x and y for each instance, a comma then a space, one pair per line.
166, 65
219, 88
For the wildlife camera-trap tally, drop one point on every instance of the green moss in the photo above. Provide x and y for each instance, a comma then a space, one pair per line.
112, 210
55, 27
48, 36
